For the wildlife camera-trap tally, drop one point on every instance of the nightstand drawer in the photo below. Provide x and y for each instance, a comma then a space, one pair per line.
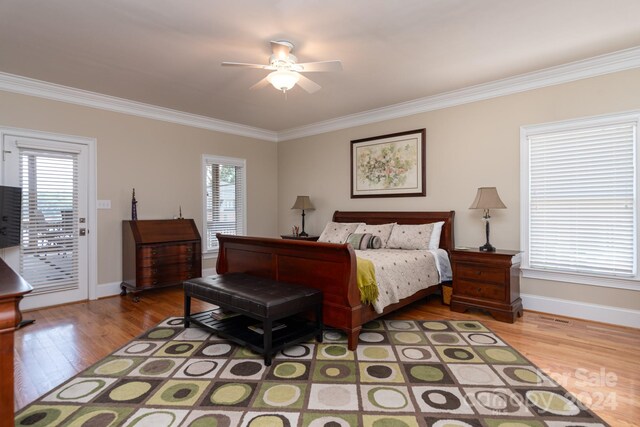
480, 273
474, 289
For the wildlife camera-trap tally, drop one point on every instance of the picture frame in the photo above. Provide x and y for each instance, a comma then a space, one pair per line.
390, 165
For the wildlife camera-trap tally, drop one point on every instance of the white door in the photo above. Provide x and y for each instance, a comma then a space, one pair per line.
53, 255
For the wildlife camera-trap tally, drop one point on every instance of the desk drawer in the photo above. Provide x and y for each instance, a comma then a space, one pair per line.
156, 261
157, 277
480, 273
162, 251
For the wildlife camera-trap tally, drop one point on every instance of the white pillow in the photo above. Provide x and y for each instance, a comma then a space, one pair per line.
383, 231
337, 232
434, 242
410, 236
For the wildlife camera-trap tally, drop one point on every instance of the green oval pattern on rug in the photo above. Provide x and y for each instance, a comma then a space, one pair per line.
281, 395
160, 334
129, 391
114, 367
179, 392
376, 353
427, 373
290, 370
552, 402
230, 394
213, 420
269, 421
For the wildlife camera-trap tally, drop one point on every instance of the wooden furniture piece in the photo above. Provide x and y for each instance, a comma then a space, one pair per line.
158, 253
307, 238
12, 289
256, 299
326, 266
487, 280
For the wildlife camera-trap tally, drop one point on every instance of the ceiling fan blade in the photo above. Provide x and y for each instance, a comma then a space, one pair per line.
335, 65
281, 49
262, 83
242, 64
308, 85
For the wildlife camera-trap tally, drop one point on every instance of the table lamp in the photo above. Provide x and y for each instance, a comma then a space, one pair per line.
487, 198
303, 202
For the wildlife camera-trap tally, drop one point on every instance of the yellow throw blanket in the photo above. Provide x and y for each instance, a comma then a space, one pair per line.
366, 276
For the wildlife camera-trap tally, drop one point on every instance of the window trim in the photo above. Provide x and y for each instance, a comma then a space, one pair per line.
632, 283
231, 161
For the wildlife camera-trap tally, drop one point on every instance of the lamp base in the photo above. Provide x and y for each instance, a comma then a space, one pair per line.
487, 248
303, 234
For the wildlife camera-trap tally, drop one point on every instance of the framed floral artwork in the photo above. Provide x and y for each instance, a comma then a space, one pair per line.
389, 165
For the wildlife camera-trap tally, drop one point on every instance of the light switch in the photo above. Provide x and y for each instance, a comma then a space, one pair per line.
103, 204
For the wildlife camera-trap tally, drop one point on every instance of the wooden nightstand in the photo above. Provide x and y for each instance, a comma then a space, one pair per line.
307, 238
488, 281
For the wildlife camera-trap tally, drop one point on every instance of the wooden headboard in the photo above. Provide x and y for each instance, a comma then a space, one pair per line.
446, 237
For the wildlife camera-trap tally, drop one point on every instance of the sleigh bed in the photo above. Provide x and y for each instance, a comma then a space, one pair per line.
327, 266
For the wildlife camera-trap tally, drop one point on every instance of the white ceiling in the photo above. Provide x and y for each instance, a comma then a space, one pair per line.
168, 53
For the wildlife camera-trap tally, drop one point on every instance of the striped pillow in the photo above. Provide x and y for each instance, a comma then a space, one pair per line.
362, 241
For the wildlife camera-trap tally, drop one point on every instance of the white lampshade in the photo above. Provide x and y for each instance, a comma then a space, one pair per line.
303, 202
283, 80
487, 198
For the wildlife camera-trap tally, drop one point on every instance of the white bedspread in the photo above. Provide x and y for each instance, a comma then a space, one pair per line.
401, 273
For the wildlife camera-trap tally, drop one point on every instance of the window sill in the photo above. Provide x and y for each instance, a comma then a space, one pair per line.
210, 255
583, 279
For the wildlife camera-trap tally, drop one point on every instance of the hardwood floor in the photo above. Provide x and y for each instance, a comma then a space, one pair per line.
596, 362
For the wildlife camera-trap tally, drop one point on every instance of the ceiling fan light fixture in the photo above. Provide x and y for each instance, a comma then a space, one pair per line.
283, 80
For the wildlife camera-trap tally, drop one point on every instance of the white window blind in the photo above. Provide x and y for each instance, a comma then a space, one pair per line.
225, 189
49, 249
582, 200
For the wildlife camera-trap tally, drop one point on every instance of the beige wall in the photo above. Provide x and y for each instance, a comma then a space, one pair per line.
161, 160
468, 146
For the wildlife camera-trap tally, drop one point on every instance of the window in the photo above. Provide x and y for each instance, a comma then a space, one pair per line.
49, 249
579, 200
224, 198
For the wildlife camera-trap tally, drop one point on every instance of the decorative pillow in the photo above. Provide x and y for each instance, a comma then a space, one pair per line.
375, 242
410, 236
364, 241
337, 232
434, 242
360, 241
383, 231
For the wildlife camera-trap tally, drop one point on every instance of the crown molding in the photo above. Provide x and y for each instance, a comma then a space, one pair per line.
592, 67
27, 86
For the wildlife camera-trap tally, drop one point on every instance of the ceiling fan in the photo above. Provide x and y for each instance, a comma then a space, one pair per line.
285, 70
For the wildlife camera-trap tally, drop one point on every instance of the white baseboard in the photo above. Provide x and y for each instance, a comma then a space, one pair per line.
113, 288
108, 289
582, 310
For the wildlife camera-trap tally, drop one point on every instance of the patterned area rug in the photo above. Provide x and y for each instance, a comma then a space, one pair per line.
404, 373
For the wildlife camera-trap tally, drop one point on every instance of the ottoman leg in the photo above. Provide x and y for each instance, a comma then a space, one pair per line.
319, 325
187, 311
267, 327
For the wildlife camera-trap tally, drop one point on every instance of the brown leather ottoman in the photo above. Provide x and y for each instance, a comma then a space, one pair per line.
256, 299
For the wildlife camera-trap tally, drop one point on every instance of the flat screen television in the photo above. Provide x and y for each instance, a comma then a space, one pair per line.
10, 216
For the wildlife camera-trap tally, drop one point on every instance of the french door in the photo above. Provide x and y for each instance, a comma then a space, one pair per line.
53, 254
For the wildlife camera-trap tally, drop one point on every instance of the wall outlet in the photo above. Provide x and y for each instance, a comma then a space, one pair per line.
103, 204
